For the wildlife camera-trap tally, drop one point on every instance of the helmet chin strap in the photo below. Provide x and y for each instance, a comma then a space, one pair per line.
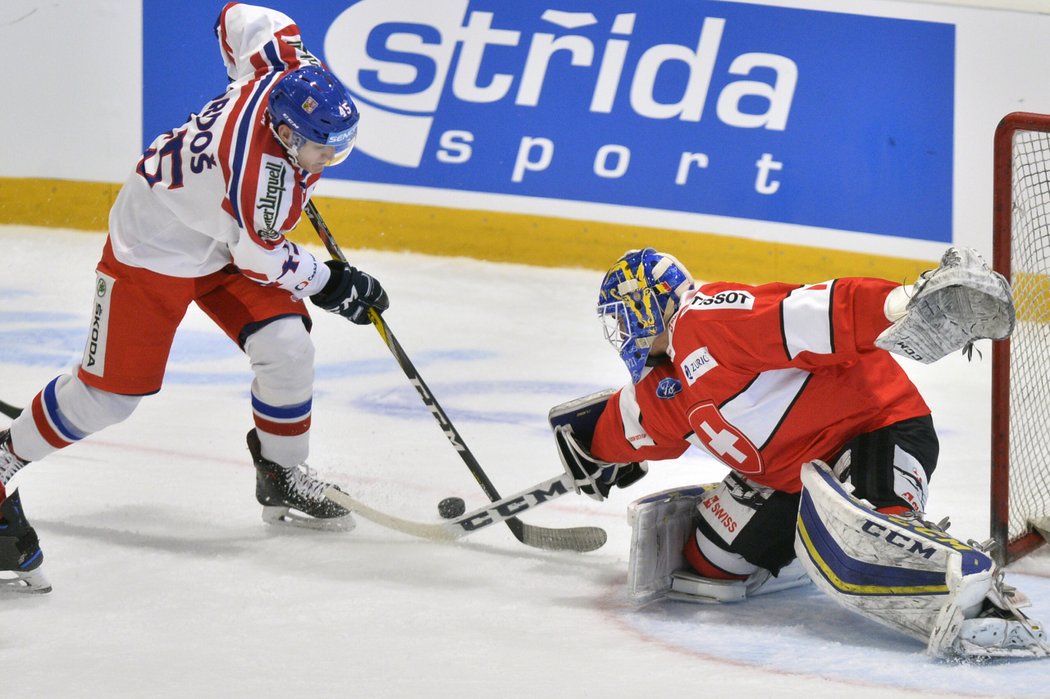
291, 149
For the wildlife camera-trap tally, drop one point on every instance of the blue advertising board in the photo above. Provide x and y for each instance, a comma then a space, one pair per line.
823, 119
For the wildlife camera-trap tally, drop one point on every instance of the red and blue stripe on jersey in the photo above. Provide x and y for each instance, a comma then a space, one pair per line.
247, 136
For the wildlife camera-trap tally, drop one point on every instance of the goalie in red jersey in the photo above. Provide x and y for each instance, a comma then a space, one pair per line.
786, 384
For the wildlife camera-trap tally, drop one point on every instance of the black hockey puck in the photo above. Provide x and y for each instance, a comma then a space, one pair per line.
450, 508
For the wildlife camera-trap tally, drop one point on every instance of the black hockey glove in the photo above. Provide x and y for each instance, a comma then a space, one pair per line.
350, 293
594, 477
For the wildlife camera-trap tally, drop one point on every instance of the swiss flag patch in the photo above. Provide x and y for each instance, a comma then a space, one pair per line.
724, 441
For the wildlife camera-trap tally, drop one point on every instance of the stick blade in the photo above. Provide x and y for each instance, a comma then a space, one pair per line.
579, 539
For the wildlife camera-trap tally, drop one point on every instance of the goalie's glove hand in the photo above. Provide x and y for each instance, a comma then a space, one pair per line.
350, 293
593, 477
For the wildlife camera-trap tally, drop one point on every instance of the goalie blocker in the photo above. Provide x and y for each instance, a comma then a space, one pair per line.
909, 575
573, 424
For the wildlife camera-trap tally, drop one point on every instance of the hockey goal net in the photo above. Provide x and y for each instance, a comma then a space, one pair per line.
1021, 365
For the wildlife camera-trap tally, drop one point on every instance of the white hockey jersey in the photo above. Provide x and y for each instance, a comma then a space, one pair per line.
220, 189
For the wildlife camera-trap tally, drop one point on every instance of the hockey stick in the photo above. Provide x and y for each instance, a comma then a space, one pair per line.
569, 539
501, 510
498, 511
9, 410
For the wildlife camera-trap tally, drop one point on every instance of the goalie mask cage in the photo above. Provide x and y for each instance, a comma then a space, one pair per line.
1020, 490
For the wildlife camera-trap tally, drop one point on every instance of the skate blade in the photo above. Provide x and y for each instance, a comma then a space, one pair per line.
284, 517
33, 582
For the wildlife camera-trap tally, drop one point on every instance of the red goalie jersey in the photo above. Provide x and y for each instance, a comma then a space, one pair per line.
765, 378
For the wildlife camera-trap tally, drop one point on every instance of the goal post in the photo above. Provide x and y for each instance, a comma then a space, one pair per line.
1020, 484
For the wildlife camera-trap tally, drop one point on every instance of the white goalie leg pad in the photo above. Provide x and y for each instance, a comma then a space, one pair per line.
997, 629
910, 575
999, 638
660, 524
893, 570
948, 308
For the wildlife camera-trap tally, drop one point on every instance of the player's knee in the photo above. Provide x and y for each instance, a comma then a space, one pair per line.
282, 353
91, 409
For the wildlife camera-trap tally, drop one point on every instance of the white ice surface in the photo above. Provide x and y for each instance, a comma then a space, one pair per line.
168, 584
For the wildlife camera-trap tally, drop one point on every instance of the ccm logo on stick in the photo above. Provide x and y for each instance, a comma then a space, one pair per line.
512, 507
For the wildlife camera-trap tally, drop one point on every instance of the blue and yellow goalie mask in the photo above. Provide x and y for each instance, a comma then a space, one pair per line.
638, 297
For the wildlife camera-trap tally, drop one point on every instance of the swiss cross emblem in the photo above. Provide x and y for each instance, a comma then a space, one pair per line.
725, 441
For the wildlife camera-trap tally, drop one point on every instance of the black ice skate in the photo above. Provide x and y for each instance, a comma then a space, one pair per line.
279, 489
20, 554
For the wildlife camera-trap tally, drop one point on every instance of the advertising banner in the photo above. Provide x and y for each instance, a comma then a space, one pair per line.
822, 119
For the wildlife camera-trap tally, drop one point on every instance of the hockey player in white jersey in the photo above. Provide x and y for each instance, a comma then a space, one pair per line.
202, 219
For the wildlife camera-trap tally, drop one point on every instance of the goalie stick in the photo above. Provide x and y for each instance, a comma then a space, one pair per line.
498, 511
567, 539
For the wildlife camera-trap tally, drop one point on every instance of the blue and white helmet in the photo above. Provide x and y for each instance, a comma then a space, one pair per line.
638, 297
316, 107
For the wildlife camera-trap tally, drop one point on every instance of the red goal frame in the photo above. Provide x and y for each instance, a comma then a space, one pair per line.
1002, 225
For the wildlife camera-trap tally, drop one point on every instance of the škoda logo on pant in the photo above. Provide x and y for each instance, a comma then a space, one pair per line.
94, 361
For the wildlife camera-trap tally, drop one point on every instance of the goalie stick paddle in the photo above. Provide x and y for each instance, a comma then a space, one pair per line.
498, 511
567, 539
9, 410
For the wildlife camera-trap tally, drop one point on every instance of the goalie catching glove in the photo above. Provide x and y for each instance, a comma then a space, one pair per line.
573, 424
948, 308
351, 293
